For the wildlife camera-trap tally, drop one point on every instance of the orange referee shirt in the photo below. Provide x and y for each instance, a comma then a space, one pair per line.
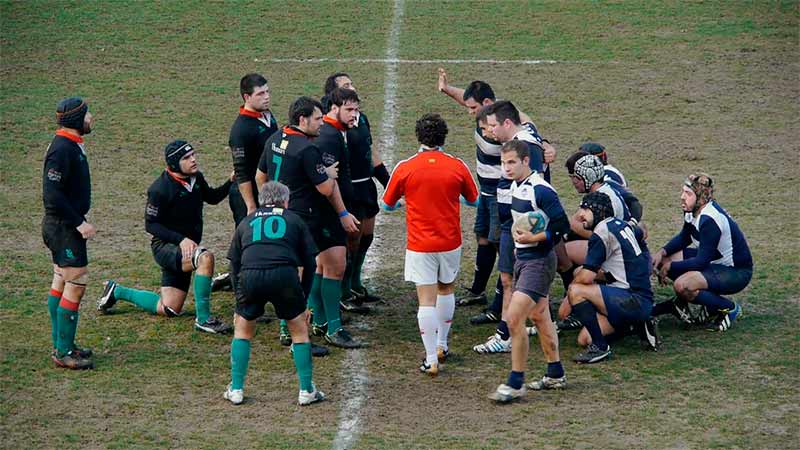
432, 182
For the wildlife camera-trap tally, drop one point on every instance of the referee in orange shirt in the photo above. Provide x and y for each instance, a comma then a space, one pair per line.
432, 182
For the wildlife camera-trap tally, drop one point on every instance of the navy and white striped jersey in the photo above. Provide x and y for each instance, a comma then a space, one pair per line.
717, 238
614, 174
535, 194
536, 163
620, 198
487, 153
619, 249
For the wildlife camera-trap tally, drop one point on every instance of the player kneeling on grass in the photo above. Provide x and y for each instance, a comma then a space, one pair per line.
539, 223
720, 263
432, 182
267, 249
611, 291
174, 217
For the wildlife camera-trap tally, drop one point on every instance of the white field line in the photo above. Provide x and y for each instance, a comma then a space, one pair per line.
395, 60
355, 372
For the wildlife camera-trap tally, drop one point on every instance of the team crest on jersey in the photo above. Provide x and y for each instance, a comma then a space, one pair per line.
238, 152
320, 168
284, 144
53, 175
151, 210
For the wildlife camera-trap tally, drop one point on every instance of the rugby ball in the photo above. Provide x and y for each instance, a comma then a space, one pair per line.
532, 221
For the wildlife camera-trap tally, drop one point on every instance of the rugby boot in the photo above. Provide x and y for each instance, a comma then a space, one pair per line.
430, 369
107, 300
364, 296
507, 394
235, 396
213, 325
306, 398
221, 282
342, 339
569, 323
469, 298
487, 316
353, 305
548, 383
724, 319
72, 360
593, 354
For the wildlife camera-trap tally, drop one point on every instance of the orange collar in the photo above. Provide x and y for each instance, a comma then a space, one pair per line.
290, 130
335, 122
246, 112
66, 134
183, 181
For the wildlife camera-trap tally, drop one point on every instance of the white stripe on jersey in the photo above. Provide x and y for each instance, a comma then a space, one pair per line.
614, 263
616, 202
725, 245
610, 168
525, 191
488, 171
486, 146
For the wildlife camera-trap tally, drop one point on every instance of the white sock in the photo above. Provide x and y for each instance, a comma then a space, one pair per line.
445, 307
426, 316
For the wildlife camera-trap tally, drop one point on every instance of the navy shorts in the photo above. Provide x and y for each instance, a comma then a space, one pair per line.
279, 286
170, 258
721, 279
533, 277
625, 306
66, 244
505, 262
487, 220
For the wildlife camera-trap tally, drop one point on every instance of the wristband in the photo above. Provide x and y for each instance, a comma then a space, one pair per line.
343, 213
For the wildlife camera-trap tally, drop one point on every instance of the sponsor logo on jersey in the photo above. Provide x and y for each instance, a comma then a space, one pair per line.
53, 175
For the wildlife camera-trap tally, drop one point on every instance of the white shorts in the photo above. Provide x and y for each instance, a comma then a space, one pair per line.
430, 268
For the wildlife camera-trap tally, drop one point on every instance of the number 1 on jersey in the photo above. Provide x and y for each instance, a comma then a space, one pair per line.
277, 160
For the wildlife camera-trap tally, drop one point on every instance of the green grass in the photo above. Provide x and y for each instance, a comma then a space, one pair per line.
668, 87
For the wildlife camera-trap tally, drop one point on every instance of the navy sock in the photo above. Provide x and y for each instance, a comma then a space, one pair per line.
502, 330
484, 263
497, 303
515, 379
567, 276
712, 301
555, 370
662, 308
587, 313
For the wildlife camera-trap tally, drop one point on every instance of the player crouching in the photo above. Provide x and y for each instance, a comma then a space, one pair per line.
617, 257
174, 217
267, 249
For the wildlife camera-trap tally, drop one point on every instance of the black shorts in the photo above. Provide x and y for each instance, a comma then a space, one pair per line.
170, 258
279, 286
65, 243
327, 231
365, 200
625, 306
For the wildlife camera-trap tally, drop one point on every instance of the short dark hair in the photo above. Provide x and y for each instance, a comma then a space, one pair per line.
330, 82
302, 107
249, 82
573, 158
517, 146
484, 112
431, 130
503, 110
340, 96
478, 91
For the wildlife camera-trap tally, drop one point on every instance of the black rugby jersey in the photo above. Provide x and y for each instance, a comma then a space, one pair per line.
333, 147
359, 146
291, 158
175, 206
248, 134
66, 186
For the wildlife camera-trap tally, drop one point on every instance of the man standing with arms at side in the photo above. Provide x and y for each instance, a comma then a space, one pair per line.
432, 182
66, 192
251, 129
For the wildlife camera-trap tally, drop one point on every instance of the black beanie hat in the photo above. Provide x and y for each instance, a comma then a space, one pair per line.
70, 112
173, 153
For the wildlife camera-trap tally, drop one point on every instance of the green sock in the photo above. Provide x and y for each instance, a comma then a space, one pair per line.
52, 307
348, 271
202, 297
358, 264
67, 325
315, 300
284, 328
146, 300
240, 358
331, 293
302, 361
